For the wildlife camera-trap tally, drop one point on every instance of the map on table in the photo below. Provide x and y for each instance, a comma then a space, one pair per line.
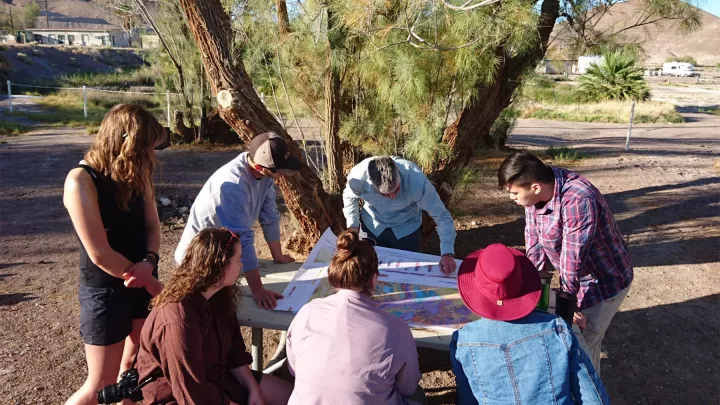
411, 286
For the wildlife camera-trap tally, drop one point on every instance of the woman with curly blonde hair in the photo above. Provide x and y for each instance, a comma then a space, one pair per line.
111, 201
192, 337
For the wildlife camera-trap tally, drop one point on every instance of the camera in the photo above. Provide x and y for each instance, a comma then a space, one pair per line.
127, 387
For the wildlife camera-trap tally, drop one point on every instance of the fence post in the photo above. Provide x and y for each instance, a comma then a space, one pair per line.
9, 94
632, 116
167, 98
85, 101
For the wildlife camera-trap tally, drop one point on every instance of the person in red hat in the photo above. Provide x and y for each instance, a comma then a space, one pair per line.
516, 353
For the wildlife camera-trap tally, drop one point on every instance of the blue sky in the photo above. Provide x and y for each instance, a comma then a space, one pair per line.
711, 6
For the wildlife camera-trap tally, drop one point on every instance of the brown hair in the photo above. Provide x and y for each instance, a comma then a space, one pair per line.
202, 268
354, 264
123, 150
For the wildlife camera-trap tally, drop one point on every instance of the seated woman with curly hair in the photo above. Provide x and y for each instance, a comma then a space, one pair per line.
193, 338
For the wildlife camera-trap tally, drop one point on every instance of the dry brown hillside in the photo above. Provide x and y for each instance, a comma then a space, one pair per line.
662, 40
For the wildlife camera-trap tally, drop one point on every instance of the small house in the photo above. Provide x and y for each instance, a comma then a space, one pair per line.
76, 37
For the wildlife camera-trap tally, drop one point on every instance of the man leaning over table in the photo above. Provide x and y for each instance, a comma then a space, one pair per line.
569, 223
395, 192
237, 195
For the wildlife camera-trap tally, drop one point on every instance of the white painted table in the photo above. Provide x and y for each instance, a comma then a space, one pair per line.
276, 277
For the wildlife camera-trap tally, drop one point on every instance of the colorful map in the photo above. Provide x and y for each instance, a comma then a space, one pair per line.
420, 306
410, 286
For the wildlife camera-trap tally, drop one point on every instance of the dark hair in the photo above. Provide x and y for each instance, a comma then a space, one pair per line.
354, 264
384, 174
203, 267
521, 169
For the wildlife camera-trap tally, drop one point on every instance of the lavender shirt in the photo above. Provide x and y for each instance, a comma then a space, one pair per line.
343, 349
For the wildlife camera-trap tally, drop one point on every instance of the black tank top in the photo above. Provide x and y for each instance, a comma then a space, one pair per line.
125, 231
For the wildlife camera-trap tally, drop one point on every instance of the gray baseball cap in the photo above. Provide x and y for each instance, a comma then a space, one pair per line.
270, 150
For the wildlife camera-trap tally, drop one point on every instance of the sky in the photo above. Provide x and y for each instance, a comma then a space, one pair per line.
711, 6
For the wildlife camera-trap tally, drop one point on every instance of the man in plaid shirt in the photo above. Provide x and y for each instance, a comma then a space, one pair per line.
569, 223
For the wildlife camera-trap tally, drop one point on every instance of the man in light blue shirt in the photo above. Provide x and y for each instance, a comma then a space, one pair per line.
395, 192
237, 195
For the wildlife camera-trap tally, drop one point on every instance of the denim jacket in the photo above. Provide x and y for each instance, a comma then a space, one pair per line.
533, 360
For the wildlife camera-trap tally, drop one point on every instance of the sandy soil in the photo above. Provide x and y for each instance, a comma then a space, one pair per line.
660, 349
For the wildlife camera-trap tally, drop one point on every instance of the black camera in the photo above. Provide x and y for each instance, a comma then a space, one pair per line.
127, 387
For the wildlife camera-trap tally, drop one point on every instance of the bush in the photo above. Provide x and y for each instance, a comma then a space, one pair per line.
564, 154
11, 128
502, 126
686, 59
615, 77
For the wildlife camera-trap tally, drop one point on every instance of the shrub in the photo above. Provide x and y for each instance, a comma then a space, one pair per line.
11, 128
686, 59
615, 77
564, 154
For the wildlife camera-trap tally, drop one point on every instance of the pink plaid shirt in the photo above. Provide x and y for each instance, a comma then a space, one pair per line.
577, 232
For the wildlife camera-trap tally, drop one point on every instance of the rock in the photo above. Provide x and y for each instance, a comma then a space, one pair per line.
474, 223
165, 201
184, 210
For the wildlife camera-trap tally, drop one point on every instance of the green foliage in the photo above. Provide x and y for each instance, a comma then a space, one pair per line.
685, 59
615, 77
710, 110
503, 126
564, 154
8, 128
196, 99
120, 80
30, 14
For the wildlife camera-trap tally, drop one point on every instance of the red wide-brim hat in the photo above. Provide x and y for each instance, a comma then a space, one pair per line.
479, 288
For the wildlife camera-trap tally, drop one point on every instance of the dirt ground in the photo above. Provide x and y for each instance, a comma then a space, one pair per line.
662, 347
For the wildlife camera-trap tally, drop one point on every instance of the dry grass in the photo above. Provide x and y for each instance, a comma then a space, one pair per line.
609, 111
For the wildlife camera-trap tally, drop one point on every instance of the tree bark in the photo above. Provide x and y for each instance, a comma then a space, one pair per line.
241, 107
283, 18
332, 112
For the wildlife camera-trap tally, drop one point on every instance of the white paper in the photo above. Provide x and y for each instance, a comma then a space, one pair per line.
395, 266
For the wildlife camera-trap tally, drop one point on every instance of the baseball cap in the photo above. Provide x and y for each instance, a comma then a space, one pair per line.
270, 150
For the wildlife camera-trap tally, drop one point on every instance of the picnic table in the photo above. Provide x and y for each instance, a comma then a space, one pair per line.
276, 277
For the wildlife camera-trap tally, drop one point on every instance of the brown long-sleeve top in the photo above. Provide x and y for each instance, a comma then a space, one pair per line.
193, 349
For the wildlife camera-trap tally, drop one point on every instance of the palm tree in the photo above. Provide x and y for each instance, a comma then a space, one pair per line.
615, 77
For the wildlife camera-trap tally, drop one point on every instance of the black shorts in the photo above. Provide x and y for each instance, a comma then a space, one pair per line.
235, 390
106, 314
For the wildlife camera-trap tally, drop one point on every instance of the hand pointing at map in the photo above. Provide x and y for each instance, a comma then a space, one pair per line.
447, 264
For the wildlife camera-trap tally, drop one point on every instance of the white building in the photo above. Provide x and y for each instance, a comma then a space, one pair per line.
584, 62
77, 37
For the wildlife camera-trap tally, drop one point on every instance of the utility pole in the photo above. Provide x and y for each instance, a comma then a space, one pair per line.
47, 18
12, 26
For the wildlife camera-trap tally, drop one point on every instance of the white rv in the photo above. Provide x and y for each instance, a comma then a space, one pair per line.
678, 69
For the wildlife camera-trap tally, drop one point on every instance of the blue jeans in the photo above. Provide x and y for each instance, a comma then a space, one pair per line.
412, 242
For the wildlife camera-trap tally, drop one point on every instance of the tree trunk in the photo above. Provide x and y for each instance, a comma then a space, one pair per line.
332, 113
283, 19
241, 107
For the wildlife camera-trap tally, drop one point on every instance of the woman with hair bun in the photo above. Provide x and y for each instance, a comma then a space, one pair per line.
343, 349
